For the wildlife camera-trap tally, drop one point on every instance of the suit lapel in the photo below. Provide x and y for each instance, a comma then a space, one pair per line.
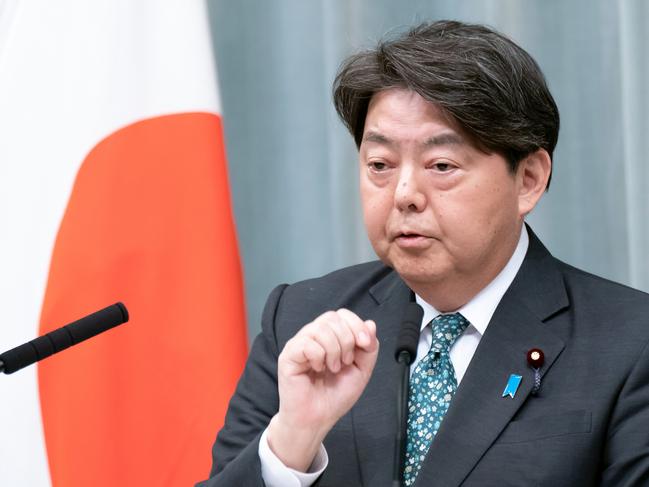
478, 412
374, 415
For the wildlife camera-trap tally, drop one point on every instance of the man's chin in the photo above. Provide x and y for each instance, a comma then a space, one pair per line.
413, 271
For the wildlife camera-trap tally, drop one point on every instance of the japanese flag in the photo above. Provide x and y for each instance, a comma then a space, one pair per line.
113, 187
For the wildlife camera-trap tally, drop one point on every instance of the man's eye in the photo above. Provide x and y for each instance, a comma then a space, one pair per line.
378, 166
443, 166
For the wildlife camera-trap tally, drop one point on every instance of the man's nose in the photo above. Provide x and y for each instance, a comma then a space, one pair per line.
408, 195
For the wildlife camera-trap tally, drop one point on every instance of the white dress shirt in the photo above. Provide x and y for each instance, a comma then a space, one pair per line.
478, 313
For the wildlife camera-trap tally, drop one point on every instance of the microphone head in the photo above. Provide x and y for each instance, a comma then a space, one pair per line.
409, 333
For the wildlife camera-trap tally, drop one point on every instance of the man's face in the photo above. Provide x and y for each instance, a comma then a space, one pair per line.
442, 213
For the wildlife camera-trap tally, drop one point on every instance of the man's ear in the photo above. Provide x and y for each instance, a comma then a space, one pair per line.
532, 177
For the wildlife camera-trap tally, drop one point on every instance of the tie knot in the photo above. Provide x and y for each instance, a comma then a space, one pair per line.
446, 329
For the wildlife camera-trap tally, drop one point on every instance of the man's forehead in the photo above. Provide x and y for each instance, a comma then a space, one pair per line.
391, 112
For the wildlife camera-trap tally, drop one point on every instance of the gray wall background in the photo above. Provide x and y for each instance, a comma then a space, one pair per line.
293, 167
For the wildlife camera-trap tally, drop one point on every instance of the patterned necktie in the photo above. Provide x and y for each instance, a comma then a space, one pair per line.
432, 385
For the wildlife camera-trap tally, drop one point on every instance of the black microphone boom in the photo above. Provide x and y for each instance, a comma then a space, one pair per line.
405, 354
62, 338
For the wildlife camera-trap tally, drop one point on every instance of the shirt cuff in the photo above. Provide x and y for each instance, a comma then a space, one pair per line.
276, 474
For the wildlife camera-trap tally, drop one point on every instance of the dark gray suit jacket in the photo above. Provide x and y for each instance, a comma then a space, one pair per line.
589, 424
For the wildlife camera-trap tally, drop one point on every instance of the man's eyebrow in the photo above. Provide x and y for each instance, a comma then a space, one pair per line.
446, 138
372, 136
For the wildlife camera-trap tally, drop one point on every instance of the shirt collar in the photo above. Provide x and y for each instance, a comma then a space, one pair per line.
479, 310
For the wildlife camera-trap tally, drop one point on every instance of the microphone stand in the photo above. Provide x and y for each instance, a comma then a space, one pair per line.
405, 354
404, 361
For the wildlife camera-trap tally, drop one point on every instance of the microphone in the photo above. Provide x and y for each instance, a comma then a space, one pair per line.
62, 338
408, 340
405, 354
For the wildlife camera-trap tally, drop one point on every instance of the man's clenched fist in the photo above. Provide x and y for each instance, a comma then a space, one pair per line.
322, 372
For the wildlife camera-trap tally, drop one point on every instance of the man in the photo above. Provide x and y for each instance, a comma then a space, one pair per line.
528, 371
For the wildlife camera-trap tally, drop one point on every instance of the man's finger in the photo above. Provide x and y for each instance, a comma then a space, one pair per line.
359, 328
367, 336
346, 338
322, 332
365, 357
315, 354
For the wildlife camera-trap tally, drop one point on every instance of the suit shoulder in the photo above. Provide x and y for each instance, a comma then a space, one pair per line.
342, 283
608, 305
300, 303
600, 286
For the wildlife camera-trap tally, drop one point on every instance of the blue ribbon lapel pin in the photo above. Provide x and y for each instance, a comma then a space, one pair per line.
512, 385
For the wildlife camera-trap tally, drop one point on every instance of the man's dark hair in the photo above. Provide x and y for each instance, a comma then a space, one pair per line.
489, 85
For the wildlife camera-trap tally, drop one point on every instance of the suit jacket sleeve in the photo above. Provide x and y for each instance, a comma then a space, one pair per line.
235, 458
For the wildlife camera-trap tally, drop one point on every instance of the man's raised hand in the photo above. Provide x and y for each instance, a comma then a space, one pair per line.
322, 372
